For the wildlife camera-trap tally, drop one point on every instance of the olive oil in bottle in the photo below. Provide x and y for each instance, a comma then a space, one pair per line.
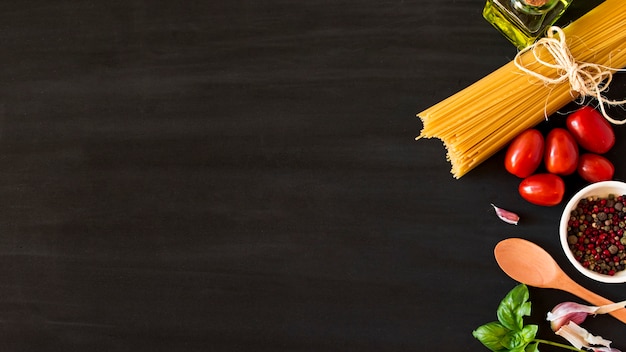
523, 21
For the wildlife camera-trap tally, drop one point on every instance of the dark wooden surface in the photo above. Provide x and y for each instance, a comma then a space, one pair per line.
243, 176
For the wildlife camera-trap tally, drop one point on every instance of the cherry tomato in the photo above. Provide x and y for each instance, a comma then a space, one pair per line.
595, 168
591, 130
524, 154
561, 154
543, 189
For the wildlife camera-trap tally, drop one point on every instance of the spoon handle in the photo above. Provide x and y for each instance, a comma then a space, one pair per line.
593, 298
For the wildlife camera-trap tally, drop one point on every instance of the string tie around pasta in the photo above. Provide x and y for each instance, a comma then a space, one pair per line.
587, 79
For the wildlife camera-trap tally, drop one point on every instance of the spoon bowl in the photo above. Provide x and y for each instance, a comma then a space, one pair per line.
530, 264
513, 257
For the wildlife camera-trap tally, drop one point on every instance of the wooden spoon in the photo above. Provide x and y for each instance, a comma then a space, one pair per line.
530, 264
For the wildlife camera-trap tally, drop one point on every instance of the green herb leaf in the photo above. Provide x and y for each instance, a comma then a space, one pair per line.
492, 335
529, 332
533, 347
518, 340
518, 349
514, 307
509, 333
514, 341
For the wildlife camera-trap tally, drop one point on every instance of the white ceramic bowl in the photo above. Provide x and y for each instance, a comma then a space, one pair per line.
600, 189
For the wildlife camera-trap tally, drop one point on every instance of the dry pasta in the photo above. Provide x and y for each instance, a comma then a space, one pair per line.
506, 102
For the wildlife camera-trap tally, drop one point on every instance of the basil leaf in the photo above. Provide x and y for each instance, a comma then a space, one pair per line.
491, 335
518, 340
514, 307
518, 349
514, 341
533, 347
529, 332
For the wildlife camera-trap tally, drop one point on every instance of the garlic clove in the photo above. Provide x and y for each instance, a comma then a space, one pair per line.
506, 216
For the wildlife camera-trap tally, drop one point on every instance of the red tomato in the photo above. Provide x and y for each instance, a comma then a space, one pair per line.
524, 154
561, 156
542, 189
591, 130
595, 168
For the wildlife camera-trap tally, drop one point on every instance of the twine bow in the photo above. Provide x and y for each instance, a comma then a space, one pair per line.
587, 79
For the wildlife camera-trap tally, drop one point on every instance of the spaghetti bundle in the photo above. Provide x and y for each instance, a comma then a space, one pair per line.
481, 119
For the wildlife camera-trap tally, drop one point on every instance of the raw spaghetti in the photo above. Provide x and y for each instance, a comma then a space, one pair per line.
481, 119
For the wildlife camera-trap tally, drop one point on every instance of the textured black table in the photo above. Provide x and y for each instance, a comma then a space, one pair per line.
243, 176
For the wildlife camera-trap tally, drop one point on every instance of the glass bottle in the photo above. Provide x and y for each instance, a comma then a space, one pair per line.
523, 21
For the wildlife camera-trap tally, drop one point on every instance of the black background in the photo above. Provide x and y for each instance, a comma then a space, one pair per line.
243, 176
